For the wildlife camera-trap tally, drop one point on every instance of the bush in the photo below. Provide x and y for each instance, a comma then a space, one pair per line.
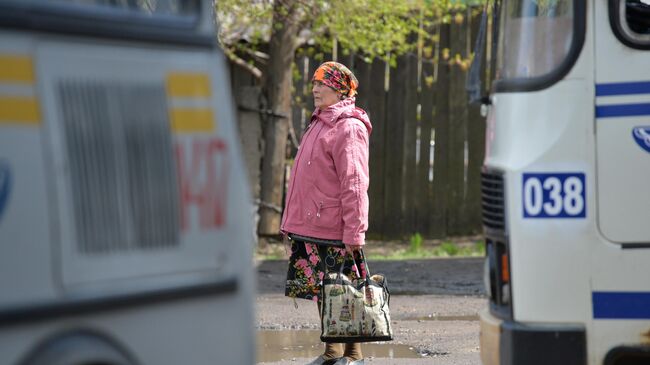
415, 243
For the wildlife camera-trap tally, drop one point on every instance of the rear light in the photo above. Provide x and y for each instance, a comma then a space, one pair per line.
497, 275
505, 279
505, 268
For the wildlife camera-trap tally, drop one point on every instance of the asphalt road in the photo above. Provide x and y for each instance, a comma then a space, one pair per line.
444, 276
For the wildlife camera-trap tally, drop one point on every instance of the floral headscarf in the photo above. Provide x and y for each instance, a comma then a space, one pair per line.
338, 77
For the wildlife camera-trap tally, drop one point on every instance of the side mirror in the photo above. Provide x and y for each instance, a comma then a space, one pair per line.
473, 84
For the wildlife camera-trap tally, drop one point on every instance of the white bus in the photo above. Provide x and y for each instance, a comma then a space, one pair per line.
125, 233
566, 185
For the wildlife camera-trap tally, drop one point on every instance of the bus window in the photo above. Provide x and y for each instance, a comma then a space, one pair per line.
539, 42
154, 7
631, 22
122, 168
163, 21
535, 37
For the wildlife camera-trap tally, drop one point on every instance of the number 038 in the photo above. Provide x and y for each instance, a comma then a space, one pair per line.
560, 195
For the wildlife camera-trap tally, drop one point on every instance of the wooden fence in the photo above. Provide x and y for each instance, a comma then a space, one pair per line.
427, 144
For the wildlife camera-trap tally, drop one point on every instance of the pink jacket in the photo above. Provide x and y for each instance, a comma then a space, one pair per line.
328, 188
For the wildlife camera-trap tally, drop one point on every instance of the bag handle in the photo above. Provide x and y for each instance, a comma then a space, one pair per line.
367, 276
339, 275
365, 264
367, 280
366, 272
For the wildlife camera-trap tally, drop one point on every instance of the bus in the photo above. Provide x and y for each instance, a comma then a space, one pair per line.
566, 184
125, 227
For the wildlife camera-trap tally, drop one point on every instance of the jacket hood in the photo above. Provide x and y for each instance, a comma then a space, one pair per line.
345, 108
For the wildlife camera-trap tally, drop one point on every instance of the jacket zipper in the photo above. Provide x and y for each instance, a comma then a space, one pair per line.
311, 152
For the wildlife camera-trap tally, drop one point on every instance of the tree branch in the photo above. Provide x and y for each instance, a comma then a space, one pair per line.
257, 55
256, 72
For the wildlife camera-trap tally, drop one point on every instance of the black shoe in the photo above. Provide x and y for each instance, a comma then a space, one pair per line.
345, 361
322, 361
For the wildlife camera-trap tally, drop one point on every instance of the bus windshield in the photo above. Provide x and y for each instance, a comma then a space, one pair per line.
167, 7
167, 21
534, 37
156, 8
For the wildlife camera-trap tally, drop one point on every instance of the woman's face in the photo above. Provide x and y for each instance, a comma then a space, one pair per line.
324, 96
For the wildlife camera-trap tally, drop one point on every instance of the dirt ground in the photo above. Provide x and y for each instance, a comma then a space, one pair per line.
434, 310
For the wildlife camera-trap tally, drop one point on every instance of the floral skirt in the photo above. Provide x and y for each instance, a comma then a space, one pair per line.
308, 263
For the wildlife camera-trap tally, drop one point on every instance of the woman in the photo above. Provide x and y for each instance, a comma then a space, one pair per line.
328, 195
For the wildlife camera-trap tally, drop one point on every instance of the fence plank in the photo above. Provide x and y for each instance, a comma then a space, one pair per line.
377, 112
423, 205
409, 192
457, 135
394, 160
362, 71
250, 133
441, 141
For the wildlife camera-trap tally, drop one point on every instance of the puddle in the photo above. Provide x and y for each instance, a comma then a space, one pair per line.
289, 344
433, 317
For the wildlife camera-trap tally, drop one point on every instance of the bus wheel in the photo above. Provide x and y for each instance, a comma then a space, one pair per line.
79, 347
628, 355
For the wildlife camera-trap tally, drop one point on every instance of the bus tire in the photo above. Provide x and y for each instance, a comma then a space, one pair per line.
79, 347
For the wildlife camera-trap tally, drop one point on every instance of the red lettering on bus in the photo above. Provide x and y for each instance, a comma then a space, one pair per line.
203, 176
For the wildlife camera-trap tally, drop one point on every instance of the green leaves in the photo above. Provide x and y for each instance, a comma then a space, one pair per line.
375, 28
370, 28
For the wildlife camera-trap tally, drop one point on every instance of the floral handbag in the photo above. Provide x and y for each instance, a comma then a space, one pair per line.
355, 310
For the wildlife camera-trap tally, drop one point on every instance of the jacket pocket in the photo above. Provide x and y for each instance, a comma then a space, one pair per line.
326, 210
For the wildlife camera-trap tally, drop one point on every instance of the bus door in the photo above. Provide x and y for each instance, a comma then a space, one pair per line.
619, 279
623, 120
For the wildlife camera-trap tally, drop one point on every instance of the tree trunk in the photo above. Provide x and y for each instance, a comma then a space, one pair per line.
277, 88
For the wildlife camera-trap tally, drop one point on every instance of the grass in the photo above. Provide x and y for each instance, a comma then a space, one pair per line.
415, 243
272, 256
416, 250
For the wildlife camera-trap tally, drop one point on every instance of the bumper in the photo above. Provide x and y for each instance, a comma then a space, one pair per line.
512, 343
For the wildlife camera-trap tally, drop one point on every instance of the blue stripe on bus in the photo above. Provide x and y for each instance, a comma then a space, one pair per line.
623, 88
622, 110
621, 305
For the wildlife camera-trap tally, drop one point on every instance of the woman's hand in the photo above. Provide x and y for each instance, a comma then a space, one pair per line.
353, 248
361, 269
